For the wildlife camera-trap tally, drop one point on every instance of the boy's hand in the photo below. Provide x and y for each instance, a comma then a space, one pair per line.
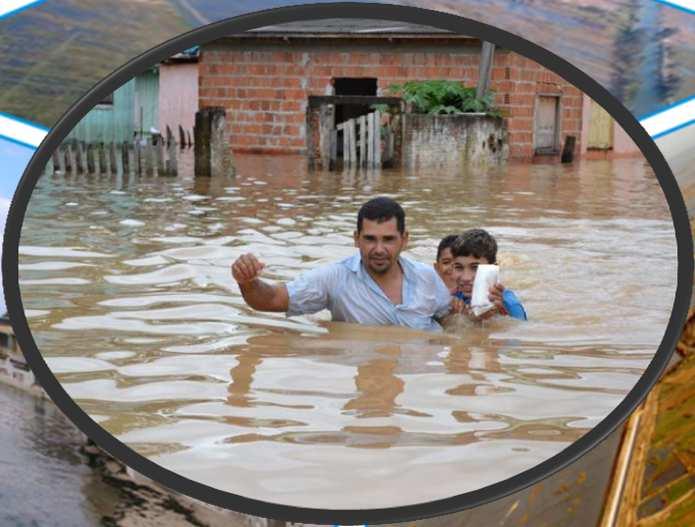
246, 268
457, 306
496, 297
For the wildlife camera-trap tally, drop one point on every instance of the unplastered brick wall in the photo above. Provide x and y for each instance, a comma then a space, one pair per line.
264, 83
519, 82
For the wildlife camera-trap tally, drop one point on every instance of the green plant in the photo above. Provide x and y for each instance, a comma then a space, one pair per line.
383, 108
444, 97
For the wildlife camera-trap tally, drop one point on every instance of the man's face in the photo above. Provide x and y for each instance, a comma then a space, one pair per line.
464, 269
380, 244
445, 268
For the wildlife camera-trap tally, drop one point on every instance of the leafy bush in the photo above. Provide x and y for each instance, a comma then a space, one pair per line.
444, 97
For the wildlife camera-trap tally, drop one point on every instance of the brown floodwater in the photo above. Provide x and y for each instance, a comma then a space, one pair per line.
126, 282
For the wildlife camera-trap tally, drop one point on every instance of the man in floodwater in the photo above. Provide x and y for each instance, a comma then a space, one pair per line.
376, 286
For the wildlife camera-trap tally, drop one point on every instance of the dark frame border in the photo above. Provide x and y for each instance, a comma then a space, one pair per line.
432, 18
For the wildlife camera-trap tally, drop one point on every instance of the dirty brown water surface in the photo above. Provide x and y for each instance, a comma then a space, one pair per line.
127, 287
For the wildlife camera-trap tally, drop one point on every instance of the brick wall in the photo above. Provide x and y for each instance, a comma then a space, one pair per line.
264, 84
520, 81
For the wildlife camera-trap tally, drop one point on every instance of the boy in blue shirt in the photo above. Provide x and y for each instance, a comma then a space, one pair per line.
466, 252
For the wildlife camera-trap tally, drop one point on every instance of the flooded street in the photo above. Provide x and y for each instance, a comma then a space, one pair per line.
127, 285
39, 458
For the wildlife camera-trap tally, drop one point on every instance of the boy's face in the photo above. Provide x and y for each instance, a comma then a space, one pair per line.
463, 272
445, 268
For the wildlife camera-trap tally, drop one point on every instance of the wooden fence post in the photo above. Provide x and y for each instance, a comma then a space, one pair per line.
182, 137
49, 169
159, 155
105, 154
91, 168
118, 158
130, 153
76, 153
82, 158
346, 151
326, 123
377, 139
98, 165
389, 145
56, 160
112, 158
149, 158
353, 142
334, 150
72, 161
172, 160
363, 140
170, 136
370, 139
62, 151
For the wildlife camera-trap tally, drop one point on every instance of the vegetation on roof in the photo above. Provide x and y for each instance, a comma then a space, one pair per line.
444, 97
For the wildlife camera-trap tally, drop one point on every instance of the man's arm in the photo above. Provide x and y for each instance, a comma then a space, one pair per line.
258, 294
446, 304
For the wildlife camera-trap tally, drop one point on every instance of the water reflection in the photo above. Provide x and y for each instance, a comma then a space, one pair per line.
127, 286
39, 458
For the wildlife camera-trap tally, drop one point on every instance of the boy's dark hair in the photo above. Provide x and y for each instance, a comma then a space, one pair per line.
477, 243
381, 209
446, 243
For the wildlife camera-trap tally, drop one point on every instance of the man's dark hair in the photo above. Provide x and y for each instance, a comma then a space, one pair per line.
477, 243
381, 209
446, 243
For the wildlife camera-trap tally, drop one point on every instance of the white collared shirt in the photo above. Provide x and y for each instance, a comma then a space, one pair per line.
351, 294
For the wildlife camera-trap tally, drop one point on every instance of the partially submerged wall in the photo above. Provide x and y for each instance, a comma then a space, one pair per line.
453, 140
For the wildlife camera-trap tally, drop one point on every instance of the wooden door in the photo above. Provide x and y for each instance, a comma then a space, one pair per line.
600, 128
546, 124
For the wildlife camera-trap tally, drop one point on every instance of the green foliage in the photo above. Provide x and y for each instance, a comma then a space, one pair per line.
444, 97
383, 108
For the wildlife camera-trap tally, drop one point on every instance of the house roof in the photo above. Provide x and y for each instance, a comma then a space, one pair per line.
350, 28
187, 55
338, 26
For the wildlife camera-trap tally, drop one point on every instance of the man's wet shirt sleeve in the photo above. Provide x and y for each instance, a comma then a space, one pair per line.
309, 292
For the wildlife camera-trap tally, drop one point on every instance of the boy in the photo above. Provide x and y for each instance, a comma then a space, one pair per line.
474, 247
444, 265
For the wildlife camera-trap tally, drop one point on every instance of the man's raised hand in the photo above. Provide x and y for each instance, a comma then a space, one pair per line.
247, 268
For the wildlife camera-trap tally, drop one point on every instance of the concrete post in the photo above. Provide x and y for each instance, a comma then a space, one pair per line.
486, 57
211, 147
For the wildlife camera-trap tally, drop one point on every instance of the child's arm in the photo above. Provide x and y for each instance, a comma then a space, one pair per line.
513, 306
507, 303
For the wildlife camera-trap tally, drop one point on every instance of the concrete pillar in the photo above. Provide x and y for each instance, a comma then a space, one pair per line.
486, 58
213, 157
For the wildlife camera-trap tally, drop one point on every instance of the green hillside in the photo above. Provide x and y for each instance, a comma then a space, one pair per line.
52, 54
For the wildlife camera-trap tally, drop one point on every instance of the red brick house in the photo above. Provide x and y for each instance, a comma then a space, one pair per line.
264, 79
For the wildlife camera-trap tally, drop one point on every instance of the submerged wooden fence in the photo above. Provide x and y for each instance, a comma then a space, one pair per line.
362, 141
152, 155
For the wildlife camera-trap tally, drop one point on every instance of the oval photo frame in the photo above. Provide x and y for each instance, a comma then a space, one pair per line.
453, 23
